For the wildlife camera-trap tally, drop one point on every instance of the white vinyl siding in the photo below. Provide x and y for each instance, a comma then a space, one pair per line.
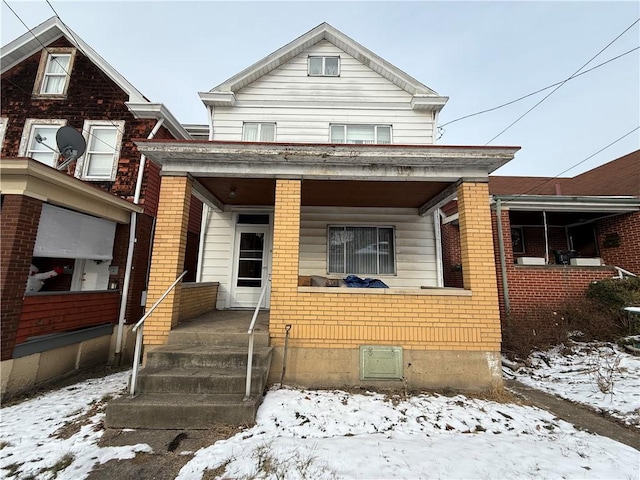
415, 251
305, 106
217, 263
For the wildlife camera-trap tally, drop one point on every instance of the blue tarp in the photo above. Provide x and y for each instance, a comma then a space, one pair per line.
354, 281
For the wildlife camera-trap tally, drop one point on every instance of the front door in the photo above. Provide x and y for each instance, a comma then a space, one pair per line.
251, 266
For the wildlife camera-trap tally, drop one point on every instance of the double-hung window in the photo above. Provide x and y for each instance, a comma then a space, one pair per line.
100, 160
39, 140
361, 250
259, 132
54, 72
324, 66
373, 134
4, 121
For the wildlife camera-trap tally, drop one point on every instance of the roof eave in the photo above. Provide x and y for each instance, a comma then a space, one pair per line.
159, 111
569, 203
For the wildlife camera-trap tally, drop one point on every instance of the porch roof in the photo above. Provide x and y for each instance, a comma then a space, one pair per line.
564, 203
427, 163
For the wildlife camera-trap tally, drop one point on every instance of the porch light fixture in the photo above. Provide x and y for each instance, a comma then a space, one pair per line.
232, 192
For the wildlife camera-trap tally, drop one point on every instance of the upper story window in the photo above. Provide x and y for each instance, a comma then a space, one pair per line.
259, 132
361, 250
54, 72
324, 66
100, 160
3, 129
39, 140
374, 134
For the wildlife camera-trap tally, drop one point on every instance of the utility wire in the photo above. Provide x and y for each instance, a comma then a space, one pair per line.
580, 162
562, 83
540, 90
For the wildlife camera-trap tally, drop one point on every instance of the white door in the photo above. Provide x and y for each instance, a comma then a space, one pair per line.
251, 266
90, 275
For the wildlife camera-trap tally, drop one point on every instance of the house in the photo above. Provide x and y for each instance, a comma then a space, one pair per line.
321, 163
554, 236
92, 220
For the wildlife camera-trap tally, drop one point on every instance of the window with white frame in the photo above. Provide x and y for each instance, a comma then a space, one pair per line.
361, 250
54, 72
373, 134
39, 140
100, 160
259, 132
3, 129
321, 66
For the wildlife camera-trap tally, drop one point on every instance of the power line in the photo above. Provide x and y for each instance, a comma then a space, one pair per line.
540, 90
562, 83
580, 162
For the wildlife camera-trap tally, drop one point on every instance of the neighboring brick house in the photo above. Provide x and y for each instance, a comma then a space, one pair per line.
95, 218
321, 163
558, 236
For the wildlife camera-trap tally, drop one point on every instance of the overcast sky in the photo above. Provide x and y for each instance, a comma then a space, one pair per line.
479, 54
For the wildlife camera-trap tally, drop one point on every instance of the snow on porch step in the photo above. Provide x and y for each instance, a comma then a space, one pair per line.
200, 381
178, 411
197, 356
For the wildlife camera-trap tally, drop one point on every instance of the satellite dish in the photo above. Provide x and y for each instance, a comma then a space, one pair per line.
71, 145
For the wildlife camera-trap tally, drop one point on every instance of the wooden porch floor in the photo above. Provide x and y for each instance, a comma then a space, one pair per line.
226, 321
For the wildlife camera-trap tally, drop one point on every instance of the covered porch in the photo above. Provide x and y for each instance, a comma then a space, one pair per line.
290, 212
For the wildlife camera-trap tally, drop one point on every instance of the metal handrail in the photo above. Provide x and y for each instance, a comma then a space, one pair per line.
140, 327
622, 272
250, 332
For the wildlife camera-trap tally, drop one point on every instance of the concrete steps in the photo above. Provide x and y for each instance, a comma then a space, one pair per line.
197, 380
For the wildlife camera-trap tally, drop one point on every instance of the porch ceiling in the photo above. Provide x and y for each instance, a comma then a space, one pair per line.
345, 193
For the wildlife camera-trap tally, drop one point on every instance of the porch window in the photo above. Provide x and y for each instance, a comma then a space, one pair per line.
259, 132
361, 250
361, 134
324, 66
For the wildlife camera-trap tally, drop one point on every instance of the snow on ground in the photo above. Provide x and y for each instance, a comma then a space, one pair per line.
327, 434
29, 447
599, 375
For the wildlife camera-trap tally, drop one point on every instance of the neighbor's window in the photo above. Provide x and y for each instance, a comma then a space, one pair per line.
259, 132
54, 72
373, 134
324, 66
100, 160
39, 140
361, 250
4, 121
517, 239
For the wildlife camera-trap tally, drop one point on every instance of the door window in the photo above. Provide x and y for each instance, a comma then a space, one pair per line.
250, 259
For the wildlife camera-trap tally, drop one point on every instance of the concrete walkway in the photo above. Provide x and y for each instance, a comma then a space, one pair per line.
581, 417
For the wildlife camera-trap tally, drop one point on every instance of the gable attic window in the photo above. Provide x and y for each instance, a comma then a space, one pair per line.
259, 132
54, 72
361, 250
373, 134
324, 67
100, 160
45, 130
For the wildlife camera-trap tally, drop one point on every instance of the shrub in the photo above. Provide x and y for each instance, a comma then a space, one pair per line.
612, 295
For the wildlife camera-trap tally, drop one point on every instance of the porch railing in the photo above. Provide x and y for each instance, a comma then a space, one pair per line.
140, 327
622, 272
250, 332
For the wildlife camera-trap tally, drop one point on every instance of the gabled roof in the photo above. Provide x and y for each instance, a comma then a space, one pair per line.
424, 97
51, 30
620, 177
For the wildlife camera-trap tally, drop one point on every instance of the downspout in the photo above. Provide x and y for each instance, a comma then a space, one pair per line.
546, 238
503, 263
117, 357
204, 227
437, 222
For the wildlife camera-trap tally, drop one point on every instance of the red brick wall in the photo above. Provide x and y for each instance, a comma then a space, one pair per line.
46, 314
451, 256
627, 254
20, 219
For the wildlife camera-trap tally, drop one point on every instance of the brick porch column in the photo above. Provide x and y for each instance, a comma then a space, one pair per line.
286, 253
167, 261
478, 261
20, 220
